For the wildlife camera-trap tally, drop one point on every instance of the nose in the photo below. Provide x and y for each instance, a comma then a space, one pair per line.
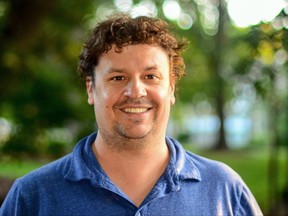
135, 89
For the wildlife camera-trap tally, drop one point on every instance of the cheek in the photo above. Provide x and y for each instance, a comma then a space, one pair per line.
106, 99
102, 95
163, 96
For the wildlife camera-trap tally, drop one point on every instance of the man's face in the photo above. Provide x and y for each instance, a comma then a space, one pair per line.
133, 92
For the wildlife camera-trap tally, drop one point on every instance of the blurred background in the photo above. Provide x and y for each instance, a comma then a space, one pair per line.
232, 105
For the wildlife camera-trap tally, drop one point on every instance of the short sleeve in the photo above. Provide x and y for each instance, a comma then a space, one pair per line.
248, 205
14, 203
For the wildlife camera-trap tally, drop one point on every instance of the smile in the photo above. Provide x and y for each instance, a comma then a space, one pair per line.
135, 110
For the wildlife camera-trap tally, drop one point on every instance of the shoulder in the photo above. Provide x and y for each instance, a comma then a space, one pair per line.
72, 164
225, 185
207, 168
212, 167
223, 180
216, 182
28, 191
45, 174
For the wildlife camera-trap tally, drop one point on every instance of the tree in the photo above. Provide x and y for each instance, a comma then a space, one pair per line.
211, 44
40, 42
264, 70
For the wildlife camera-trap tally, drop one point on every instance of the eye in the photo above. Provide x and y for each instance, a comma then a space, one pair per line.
151, 76
118, 78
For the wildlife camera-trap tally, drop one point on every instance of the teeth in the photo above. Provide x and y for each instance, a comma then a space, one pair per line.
135, 110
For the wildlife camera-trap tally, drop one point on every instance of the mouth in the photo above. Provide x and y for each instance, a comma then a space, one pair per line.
136, 110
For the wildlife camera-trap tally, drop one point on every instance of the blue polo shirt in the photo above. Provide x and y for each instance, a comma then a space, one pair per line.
77, 185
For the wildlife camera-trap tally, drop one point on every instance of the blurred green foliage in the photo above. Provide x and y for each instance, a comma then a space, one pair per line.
40, 43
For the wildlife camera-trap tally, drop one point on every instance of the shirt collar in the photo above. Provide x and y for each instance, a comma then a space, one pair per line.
83, 162
181, 166
84, 165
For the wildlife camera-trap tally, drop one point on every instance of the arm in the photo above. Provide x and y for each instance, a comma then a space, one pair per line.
14, 203
248, 205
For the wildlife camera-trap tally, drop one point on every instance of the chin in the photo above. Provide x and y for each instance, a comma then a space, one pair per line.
134, 135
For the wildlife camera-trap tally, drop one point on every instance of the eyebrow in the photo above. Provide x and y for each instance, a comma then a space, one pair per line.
111, 70
152, 67
119, 70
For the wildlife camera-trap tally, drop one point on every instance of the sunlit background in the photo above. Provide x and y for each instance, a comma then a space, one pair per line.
243, 13
204, 126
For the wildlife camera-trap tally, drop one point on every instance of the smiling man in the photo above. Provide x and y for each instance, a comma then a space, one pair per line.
129, 166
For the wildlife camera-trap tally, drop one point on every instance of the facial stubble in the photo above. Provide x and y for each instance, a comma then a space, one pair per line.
121, 139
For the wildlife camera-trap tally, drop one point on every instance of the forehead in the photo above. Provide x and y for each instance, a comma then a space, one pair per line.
138, 54
134, 59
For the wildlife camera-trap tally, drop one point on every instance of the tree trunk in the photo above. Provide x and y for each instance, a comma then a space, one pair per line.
277, 201
273, 164
216, 66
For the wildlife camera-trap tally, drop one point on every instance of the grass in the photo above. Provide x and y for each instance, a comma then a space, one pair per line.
14, 168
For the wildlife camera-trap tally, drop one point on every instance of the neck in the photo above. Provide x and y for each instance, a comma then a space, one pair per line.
150, 150
134, 171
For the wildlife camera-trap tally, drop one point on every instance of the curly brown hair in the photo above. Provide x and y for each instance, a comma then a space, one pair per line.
122, 30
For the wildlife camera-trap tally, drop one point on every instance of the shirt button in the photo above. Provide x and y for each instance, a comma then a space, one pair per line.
138, 214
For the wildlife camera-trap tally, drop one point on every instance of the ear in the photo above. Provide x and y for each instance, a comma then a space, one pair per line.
89, 89
172, 91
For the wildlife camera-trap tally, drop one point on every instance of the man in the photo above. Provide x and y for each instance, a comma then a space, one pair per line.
129, 166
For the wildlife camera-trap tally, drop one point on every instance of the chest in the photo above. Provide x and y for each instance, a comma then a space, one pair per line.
87, 200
